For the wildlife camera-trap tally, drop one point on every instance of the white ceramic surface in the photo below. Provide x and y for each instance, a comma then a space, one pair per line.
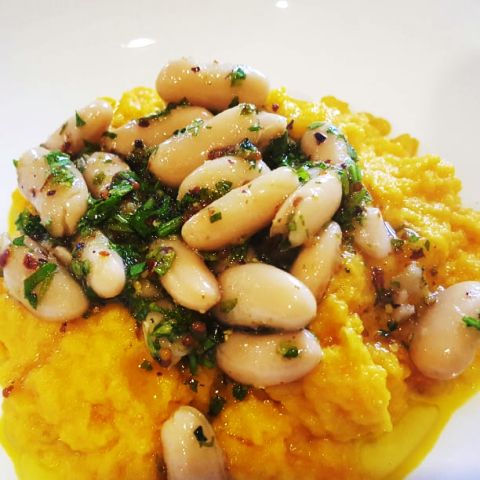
416, 63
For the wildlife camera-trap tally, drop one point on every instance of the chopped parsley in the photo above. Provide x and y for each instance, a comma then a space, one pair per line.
15, 163
471, 322
226, 306
215, 217
216, 405
236, 76
39, 281
137, 269
248, 109
146, 365
99, 178
239, 391
19, 241
255, 128
79, 121
161, 259
192, 129
287, 350
110, 135
29, 225
80, 268
202, 439
60, 171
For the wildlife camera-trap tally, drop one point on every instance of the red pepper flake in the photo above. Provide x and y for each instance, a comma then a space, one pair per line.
275, 107
104, 253
67, 147
319, 137
198, 327
33, 192
30, 262
135, 185
4, 258
416, 254
50, 193
143, 122
7, 391
63, 327
297, 201
138, 143
151, 264
357, 186
195, 69
290, 124
188, 340
104, 194
221, 152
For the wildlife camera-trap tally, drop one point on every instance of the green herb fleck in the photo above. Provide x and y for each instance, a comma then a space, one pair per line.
137, 269
239, 391
248, 109
397, 243
60, 164
41, 279
108, 134
15, 163
98, 178
19, 241
235, 101
215, 217
79, 122
146, 365
163, 258
228, 305
315, 125
216, 405
255, 128
202, 439
236, 76
287, 350
471, 322
80, 268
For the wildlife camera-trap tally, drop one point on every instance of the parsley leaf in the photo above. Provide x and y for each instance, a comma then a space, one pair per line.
236, 76
471, 322
41, 278
79, 121
60, 164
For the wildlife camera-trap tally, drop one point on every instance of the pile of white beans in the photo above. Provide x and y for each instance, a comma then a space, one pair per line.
261, 296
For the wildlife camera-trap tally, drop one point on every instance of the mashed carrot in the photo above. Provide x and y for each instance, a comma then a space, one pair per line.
78, 399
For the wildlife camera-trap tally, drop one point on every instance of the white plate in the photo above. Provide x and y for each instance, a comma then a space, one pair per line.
417, 63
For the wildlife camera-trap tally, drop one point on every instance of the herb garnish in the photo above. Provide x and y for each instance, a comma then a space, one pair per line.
236, 76
288, 350
202, 439
60, 164
79, 121
471, 322
41, 279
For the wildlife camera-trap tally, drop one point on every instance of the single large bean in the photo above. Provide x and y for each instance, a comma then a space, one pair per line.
86, 126
443, 346
261, 295
55, 187
56, 296
324, 144
372, 236
151, 130
307, 209
106, 270
99, 169
316, 263
267, 360
188, 280
241, 212
234, 170
214, 85
190, 449
180, 155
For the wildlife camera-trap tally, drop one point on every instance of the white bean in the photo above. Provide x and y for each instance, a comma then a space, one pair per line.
261, 295
317, 261
190, 449
151, 131
180, 155
177, 349
263, 360
99, 169
59, 299
372, 236
213, 85
235, 170
320, 145
241, 212
307, 209
106, 270
86, 126
443, 346
59, 195
188, 281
